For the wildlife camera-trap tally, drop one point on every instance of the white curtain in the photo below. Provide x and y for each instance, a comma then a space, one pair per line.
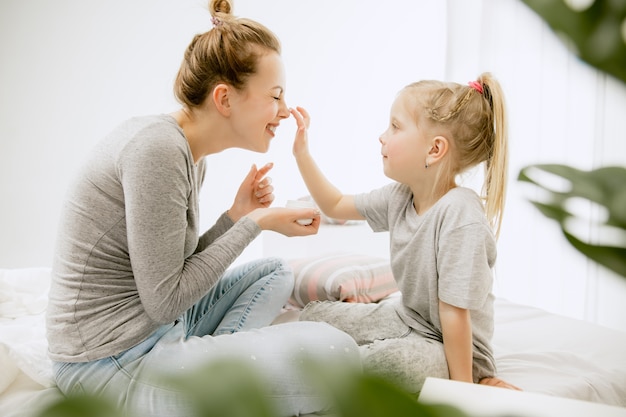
561, 111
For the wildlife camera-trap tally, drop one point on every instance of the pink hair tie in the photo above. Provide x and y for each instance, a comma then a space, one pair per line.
476, 86
216, 21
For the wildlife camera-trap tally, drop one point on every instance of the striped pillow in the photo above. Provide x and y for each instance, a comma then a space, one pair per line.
341, 277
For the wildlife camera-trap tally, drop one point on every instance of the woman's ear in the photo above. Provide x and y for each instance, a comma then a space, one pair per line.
439, 147
221, 99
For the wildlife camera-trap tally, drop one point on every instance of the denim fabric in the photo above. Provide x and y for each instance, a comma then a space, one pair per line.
247, 297
227, 323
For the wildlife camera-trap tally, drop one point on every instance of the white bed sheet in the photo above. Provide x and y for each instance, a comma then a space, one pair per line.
551, 354
535, 350
25, 369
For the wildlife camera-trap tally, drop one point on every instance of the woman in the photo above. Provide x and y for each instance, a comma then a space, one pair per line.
135, 289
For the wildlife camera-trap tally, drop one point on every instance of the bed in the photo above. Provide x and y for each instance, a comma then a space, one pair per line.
538, 351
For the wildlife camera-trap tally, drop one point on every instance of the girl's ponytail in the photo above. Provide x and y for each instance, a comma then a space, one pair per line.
496, 165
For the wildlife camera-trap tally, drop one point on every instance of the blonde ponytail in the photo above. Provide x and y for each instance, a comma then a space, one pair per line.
496, 165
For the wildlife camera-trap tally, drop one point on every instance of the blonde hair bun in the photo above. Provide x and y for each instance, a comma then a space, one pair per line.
220, 7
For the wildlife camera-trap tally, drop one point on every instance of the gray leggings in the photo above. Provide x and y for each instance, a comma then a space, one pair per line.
389, 348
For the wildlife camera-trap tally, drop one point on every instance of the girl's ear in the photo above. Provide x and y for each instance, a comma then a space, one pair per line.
439, 147
221, 99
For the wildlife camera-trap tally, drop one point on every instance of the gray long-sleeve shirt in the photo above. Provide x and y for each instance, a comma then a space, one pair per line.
129, 257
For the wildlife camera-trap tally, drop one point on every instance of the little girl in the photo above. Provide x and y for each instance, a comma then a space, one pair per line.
442, 236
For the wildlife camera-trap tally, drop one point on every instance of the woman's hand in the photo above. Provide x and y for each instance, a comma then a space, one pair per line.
303, 120
285, 220
255, 191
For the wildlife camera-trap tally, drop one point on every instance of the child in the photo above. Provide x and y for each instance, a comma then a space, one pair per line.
442, 236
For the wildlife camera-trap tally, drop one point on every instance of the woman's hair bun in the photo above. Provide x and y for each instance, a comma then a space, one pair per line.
220, 6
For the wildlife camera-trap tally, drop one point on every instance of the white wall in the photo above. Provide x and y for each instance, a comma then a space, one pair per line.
72, 69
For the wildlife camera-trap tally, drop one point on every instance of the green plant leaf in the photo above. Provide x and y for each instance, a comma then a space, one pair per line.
551, 211
595, 31
81, 406
613, 258
604, 186
361, 394
226, 388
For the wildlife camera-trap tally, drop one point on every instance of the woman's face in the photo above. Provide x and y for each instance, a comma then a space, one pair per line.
403, 146
258, 109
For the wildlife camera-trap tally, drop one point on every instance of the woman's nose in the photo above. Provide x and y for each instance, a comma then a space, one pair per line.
283, 110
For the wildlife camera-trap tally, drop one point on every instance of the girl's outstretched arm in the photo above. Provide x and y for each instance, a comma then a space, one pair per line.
327, 197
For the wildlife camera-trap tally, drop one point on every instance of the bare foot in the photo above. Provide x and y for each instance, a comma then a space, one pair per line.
497, 382
287, 316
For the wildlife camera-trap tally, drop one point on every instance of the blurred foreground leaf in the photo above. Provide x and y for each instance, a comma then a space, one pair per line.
605, 187
233, 389
227, 388
596, 31
81, 406
365, 395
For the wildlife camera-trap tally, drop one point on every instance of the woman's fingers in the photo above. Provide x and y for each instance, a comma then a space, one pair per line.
263, 171
263, 189
265, 195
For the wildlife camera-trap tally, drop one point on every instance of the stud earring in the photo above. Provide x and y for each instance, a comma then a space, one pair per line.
426, 165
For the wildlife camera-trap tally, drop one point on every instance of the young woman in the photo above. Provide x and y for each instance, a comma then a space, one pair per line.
135, 290
443, 246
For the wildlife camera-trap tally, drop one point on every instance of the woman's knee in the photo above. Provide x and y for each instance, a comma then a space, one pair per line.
271, 273
319, 340
281, 275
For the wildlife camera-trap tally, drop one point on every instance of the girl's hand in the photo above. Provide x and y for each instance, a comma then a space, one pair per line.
255, 191
303, 120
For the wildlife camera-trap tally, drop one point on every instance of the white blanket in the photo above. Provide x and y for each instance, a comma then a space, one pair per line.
535, 350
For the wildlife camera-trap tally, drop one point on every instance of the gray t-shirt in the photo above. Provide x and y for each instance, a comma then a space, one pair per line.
128, 256
445, 254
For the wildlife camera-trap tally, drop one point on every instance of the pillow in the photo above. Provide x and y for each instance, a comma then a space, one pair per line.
341, 277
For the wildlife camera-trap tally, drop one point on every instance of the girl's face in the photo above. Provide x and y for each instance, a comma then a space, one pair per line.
404, 148
259, 108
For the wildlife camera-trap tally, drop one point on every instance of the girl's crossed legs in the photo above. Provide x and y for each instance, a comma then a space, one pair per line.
389, 348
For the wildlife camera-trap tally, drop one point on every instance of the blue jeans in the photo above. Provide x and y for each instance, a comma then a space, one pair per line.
231, 321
